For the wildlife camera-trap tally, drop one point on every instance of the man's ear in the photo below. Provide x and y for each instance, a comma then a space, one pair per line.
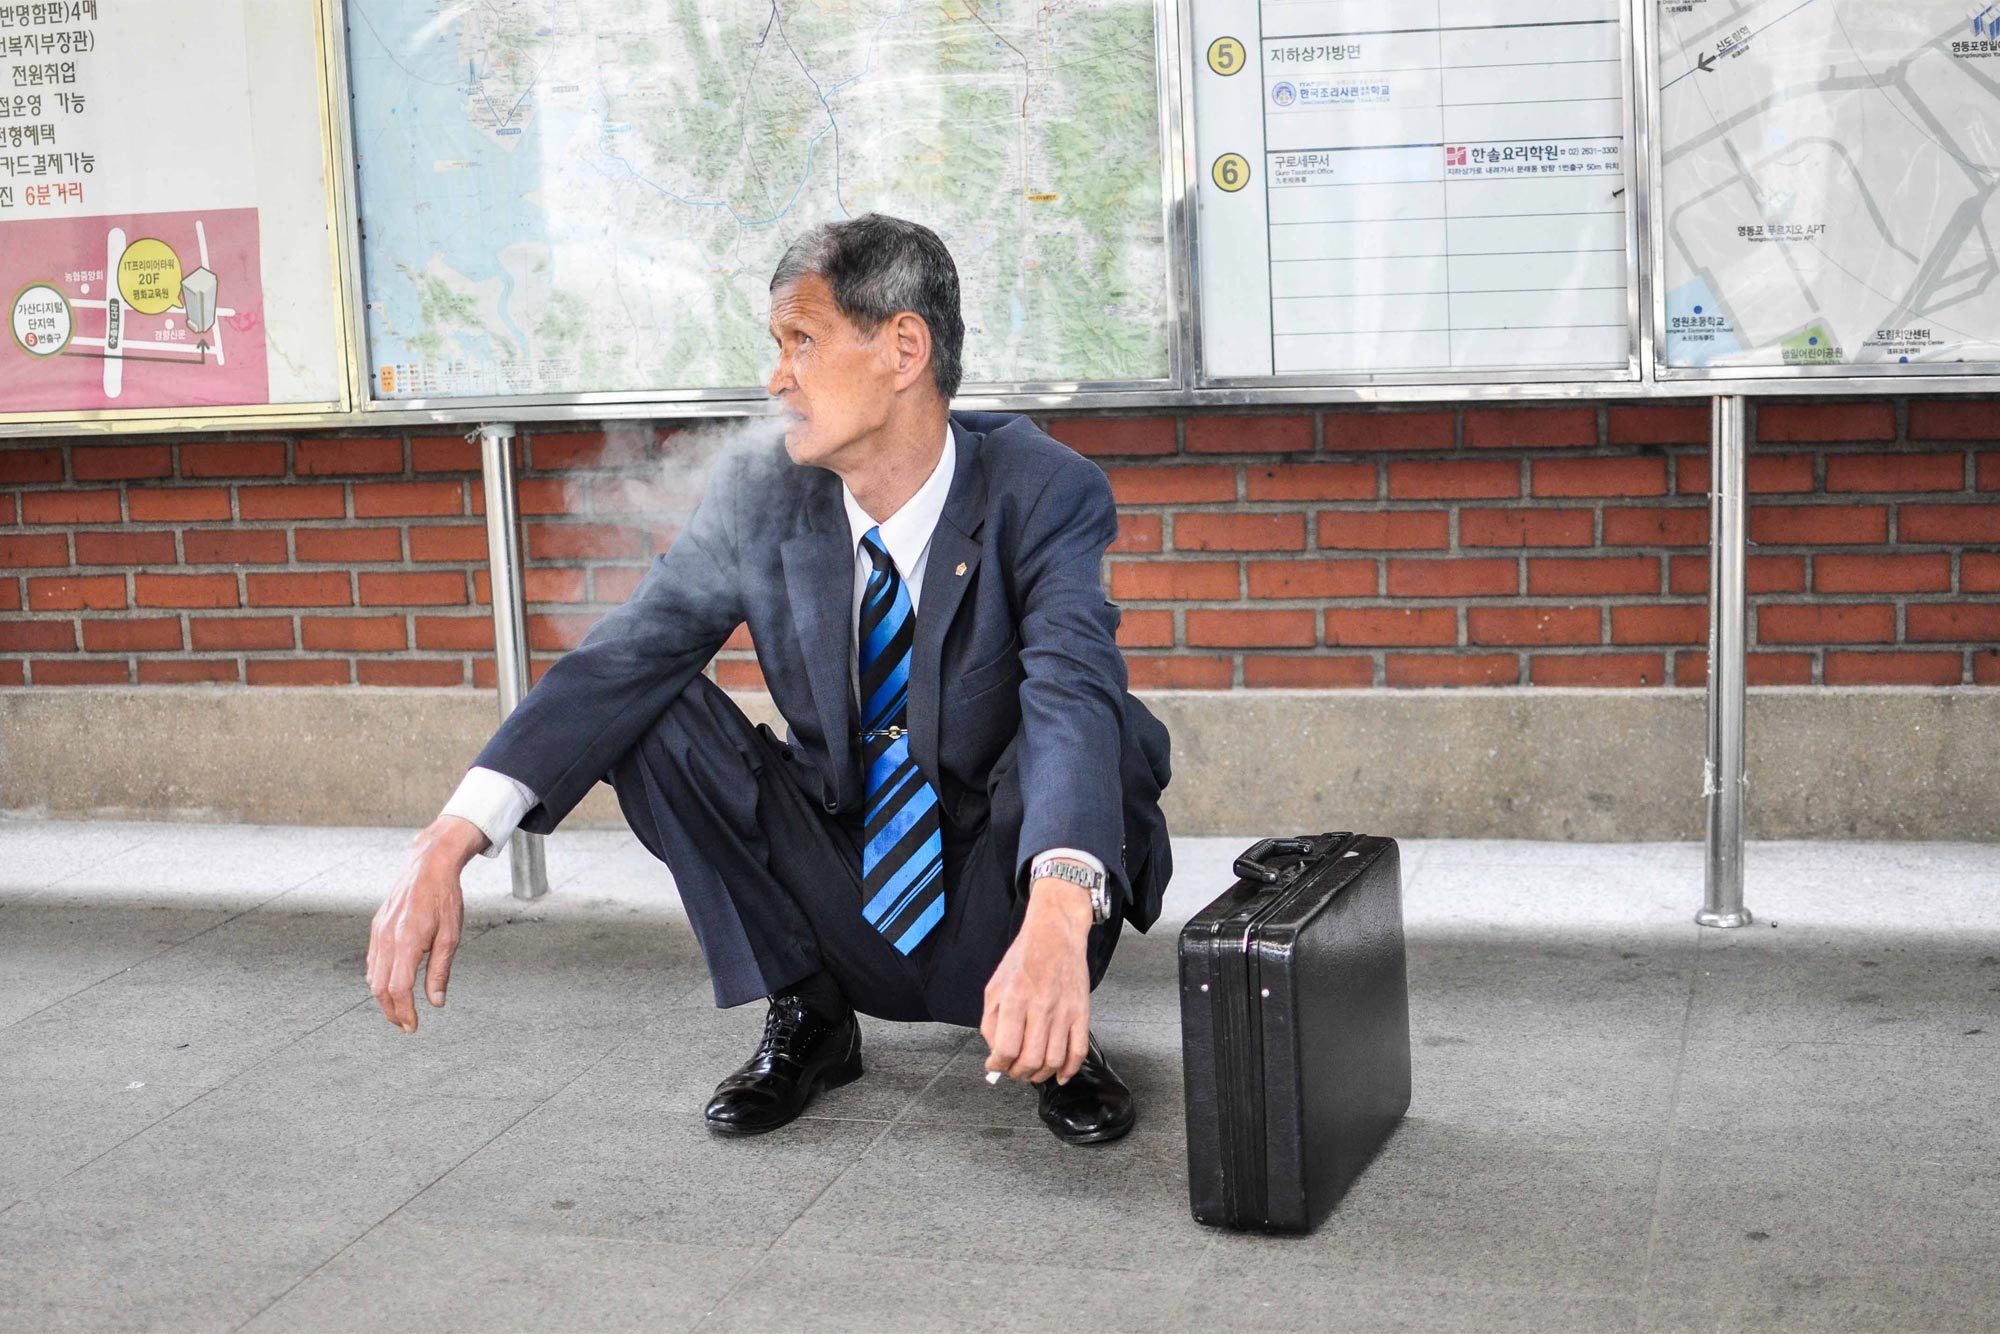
910, 344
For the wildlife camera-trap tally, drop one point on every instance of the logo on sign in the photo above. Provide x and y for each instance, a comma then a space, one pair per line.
1454, 155
1283, 94
1986, 23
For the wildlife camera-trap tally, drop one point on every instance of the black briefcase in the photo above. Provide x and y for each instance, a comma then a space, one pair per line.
1295, 1029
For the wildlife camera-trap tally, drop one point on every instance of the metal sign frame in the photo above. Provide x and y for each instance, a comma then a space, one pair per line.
1642, 378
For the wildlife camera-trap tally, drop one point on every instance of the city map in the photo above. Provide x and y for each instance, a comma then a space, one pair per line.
1829, 177
590, 195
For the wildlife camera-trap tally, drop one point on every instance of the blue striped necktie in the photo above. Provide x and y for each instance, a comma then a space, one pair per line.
902, 864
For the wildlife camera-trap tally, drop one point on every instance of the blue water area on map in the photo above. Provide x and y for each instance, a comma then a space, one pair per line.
410, 88
1690, 343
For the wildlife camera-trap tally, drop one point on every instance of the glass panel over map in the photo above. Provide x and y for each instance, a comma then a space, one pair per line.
591, 195
1411, 185
1828, 183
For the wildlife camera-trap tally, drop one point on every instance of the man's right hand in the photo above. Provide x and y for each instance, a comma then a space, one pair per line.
424, 914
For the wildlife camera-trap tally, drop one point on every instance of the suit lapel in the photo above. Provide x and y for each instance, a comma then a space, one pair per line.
819, 580
948, 572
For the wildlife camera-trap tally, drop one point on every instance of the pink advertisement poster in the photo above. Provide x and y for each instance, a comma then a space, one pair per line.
137, 310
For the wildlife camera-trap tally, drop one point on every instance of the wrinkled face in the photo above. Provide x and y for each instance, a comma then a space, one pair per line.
837, 384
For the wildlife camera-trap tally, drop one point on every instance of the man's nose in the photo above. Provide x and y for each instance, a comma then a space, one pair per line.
779, 377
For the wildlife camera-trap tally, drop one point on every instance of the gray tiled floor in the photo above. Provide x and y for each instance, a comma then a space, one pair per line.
1621, 1121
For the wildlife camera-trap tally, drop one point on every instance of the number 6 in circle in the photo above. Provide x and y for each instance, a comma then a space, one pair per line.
1230, 172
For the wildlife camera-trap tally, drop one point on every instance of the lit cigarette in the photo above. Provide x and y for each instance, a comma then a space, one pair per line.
994, 1076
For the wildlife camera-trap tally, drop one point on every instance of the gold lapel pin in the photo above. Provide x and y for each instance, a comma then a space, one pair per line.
960, 571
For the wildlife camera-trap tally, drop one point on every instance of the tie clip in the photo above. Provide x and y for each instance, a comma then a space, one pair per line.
891, 732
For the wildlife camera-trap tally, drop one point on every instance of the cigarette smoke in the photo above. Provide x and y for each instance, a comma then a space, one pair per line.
657, 473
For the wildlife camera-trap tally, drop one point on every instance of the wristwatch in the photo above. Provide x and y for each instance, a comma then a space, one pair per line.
1063, 868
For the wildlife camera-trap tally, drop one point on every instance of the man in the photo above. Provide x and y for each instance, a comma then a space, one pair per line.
966, 801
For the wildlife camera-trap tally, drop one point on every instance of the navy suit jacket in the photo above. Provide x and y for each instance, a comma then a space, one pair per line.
1015, 661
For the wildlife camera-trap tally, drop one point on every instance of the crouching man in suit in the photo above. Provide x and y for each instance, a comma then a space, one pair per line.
965, 805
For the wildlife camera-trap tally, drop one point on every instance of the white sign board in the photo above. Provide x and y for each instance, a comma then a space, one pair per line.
1410, 186
164, 208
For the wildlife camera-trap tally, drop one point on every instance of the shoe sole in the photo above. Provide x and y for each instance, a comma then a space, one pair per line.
1104, 1136
842, 1072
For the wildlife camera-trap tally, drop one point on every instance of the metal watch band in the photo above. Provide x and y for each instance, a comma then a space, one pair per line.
1062, 868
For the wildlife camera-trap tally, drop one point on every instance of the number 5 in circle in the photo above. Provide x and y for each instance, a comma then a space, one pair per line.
1230, 172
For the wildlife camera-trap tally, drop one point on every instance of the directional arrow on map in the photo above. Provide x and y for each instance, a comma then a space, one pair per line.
1707, 62
201, 351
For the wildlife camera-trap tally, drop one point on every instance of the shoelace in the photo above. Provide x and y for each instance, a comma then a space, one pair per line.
782, 1023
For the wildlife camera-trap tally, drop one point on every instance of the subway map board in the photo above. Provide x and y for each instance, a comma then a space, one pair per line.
1828, 187
590, 196
1411, 186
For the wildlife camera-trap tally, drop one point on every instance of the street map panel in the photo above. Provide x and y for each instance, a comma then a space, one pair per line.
590, 195
1829, 177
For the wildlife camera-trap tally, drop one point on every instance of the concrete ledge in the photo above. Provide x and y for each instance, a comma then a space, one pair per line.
1587, 765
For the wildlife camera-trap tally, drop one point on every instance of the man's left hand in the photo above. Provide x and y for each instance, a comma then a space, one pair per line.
1037, 1020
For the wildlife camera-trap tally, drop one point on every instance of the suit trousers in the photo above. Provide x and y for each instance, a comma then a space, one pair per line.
772, 880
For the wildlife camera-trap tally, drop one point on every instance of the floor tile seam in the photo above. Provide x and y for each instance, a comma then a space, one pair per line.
1194, 1272
534, 1106
1660, 1189
215, 1089
138, 842
886, 1128
171, 1113
340, 865
37, 1191
770, 1247
929, 1084
1095, 1266
363, 1235
295, 885
1458, 1285
163, 950
1944, 1045
1083, 1266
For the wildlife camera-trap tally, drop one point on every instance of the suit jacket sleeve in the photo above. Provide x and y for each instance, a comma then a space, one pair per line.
595, 702
1072, 695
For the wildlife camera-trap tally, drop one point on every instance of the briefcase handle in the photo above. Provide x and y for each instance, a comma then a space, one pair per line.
1251, 865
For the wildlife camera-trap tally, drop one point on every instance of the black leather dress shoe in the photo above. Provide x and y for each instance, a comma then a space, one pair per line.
801, 1053
1093, 1107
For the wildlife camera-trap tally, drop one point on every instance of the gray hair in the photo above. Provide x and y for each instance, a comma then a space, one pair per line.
879, 266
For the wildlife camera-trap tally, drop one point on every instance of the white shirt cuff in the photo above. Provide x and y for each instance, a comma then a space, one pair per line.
494, 802
1077, 854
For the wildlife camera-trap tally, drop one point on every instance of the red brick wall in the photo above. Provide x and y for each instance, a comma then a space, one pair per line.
1537, 545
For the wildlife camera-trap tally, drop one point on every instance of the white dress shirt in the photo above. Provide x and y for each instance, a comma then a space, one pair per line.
496, 802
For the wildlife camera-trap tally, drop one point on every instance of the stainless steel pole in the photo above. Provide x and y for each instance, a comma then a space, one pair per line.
526, 856
1723, 775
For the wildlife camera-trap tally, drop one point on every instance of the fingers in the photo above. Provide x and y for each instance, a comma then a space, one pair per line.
989, 1022
402, 1004
1034, 1045
437, 973
1079, 1047
1055, 1049
392, 975
1008, 1022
